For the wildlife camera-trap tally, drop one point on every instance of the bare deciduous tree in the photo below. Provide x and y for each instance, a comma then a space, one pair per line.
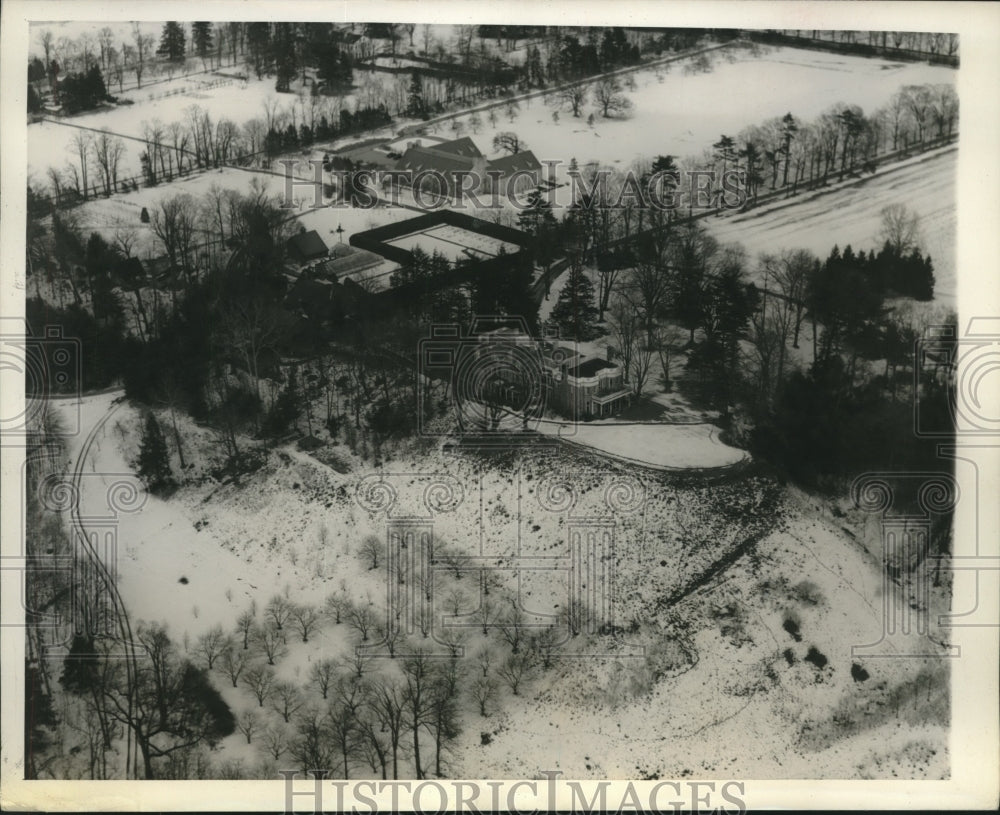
340, 727
485, 658
274, 740
511, 628
286, 699
544, 644
509, 141
487, 614
573, 96
247, 723
514, 670
336, 606
362, 619
142, 45
232, 663
260, 680
609, 98
418, 677
108, 152
81, 143
358, 664
244, 626
322, 675
454, 639
456, 601
278, 611
211, 645
900, 228
270, 642
483, 691
305, 619
387, 702
174, 222
370, 550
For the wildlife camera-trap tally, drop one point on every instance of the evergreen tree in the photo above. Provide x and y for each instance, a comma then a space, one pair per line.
83, 91
80, 666
694, 251
154, 458
34, 100
575, 311
259, 48
727, 304
539, 222
286, 409
841, 296
201, 38
537, 217
415, 105
333, 65
172, 42
99, 259
906, 275
922, 284
283, 49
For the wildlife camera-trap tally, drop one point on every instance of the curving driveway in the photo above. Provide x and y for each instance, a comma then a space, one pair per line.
660, 446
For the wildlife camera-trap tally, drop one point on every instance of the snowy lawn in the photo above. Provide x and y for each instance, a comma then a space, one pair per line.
925, 184
667, 446
683, 114
50, 143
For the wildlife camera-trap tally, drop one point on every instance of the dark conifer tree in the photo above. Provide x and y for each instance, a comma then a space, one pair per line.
154, 458
575, 311
201, 38
259, 48
283, 49
172, 42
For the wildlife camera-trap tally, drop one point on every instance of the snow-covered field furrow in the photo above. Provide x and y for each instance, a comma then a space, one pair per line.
851, 215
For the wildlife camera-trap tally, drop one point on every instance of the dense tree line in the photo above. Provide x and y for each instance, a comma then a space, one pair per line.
865, 42
786, 153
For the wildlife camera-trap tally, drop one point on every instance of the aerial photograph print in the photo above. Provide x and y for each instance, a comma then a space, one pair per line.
588, 403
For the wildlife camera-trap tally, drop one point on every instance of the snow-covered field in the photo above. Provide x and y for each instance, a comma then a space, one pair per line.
851, 214
50, 143
682, 114
675, 112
